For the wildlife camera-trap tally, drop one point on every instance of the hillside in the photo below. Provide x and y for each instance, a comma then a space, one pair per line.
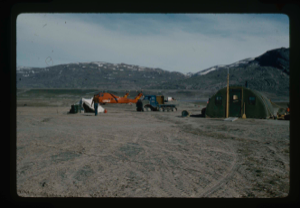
268, 72
94, 75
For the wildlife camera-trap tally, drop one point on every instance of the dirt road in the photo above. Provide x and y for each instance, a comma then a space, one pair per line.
125, 153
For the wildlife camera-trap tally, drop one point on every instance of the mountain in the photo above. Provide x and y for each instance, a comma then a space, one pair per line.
189, 74
268, 72
217, 67
94, 75
277, 58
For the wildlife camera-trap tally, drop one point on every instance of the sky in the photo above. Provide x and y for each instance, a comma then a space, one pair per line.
174, 42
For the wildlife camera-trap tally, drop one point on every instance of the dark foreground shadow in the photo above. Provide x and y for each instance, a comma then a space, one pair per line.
197, 115
89, 114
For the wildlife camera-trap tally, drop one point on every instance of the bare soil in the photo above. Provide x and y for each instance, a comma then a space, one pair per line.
125, 153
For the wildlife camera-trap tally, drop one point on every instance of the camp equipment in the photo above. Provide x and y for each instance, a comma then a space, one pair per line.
74, 108
185, 113
169, 99
281, 113
154, 103
203, 111
258, 106
85, 104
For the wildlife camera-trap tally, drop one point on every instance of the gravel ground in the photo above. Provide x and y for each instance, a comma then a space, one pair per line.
125, 153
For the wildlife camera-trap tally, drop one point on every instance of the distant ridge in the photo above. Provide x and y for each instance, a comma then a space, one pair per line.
268, 72
93, 75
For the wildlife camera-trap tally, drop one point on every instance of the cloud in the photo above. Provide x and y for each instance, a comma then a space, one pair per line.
181, 43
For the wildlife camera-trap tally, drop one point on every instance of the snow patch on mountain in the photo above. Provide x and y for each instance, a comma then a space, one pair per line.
206, 71
23, 67
189, 74
217, 67
244, 61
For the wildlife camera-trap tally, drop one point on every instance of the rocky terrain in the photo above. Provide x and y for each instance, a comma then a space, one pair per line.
125, 153
94, 75
268, 73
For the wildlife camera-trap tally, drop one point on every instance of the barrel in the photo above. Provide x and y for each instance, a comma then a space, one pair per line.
185, 113
74, 108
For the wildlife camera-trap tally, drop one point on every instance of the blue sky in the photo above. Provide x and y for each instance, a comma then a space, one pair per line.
174, 42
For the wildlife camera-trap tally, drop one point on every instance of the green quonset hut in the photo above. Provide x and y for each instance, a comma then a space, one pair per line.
256, 104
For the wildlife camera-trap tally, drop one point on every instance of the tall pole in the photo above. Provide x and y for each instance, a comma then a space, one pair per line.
227, 105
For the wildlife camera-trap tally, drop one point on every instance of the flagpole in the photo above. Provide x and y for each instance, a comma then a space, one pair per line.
227, 105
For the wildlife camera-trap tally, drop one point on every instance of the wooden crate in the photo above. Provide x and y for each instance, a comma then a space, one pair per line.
160, 100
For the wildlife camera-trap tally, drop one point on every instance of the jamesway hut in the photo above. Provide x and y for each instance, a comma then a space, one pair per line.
256, 105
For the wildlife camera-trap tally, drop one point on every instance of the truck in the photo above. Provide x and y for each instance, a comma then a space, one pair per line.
154, 103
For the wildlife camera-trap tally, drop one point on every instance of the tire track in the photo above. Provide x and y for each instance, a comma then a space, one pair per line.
214, 187
136, 138
166, 183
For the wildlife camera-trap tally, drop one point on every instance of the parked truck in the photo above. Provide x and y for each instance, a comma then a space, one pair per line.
154, 103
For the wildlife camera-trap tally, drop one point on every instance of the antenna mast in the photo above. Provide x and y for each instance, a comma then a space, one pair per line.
227, 100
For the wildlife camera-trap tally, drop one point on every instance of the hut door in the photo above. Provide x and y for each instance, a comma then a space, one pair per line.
235, 102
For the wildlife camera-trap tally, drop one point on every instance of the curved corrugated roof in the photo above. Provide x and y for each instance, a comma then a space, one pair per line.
267, 110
